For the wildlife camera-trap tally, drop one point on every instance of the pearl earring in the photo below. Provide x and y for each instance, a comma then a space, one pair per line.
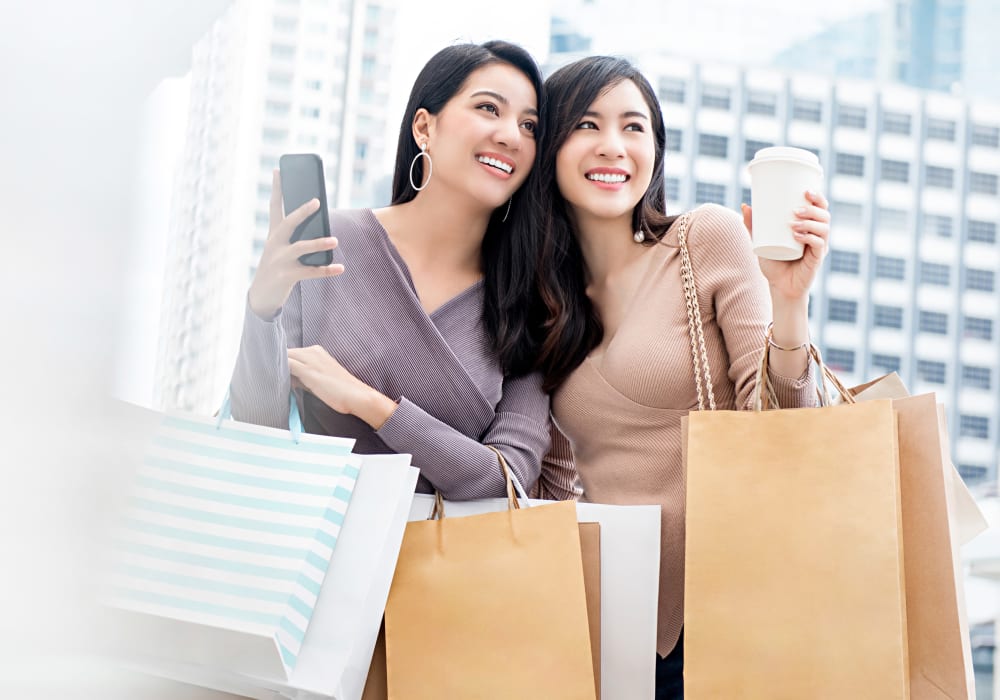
639, 236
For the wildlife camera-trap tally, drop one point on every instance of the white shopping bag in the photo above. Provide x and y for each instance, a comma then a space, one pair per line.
630, 576
340, 637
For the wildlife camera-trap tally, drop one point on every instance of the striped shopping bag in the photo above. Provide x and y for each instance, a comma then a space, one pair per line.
225, 542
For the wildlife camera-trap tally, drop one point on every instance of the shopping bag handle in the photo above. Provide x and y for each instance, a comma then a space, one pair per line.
294, 419
514, 489
764, 396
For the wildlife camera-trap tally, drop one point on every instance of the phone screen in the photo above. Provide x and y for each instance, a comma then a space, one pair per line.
302, 180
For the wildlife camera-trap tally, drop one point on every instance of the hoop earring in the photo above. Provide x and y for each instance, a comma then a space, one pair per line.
507, 213
430, 167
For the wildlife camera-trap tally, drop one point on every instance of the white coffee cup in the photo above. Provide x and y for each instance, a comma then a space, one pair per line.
779, 178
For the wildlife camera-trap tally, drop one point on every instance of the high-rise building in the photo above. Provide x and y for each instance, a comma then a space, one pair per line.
285, 76
913, 177
942, 45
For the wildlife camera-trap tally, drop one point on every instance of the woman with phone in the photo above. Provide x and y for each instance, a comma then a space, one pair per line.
618, 353
417, 337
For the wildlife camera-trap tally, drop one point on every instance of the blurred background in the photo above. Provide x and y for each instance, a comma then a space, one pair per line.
139, 139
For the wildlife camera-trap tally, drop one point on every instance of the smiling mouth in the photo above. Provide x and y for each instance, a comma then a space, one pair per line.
498, 164
608, 178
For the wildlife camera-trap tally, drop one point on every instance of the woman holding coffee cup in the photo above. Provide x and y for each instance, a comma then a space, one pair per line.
617, 354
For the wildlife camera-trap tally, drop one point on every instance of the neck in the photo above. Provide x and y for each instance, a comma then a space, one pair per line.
607, 245
438, 229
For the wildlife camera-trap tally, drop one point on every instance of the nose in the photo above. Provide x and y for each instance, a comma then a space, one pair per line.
611, 145
508, 134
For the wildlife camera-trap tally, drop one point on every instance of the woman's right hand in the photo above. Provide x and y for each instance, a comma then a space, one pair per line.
279, 269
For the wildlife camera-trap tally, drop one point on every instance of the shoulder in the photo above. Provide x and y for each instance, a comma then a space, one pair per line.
712, 224
349, 225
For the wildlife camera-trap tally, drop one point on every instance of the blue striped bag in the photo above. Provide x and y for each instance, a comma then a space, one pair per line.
226, 540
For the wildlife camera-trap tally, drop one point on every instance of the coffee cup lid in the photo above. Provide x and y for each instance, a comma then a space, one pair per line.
787, 153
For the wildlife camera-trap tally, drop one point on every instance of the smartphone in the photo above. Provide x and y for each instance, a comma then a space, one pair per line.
302, 180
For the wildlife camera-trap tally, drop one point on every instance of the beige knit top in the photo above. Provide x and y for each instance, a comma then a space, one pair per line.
621, 409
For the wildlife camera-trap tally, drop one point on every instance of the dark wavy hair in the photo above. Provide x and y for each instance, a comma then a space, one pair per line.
511, 306
571, 325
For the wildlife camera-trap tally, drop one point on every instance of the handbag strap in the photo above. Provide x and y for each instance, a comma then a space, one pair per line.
764, 394
512, 503
699, 355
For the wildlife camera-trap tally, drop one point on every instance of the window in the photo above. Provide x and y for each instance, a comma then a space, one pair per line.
312, 112
674, 137
282, 51
286, 24
715, 97
672, 90
974, 426
885, 363
980, 328
852, 117
759, 102
839, 360
937, 225
979, 280
278, 109
890, 268
713, 146
361, 150
972, 474
976, 377
750, 148
940, 129
709, 192
893, 219
982, 183
933, 273
845, 262
982, 231
313, 84
888, 316
274, 135
843, 310
746, 195
847, 213
895, 170
983, 135
933, 322
850, 164
939, 177
278, 79
262, 218
268, 163
931, 372
672, 188
807, 110
896, 123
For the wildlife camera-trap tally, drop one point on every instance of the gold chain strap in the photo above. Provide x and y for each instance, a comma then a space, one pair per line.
699, 355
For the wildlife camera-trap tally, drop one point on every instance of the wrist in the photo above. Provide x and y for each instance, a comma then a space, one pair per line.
262, 310
375, 408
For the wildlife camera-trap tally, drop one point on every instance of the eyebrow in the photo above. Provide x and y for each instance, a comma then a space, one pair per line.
624, 115
501, 99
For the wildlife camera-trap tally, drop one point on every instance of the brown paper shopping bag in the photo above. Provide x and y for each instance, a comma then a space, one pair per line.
794, 559
940, 651
590, 548
490, 606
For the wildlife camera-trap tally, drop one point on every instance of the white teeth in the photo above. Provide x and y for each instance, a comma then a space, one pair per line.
498, 164
602, 177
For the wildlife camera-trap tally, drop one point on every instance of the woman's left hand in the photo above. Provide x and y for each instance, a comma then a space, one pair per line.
319, 373
792, 279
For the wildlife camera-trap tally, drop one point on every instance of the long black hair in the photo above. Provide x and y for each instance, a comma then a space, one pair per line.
572, 327
511, 310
